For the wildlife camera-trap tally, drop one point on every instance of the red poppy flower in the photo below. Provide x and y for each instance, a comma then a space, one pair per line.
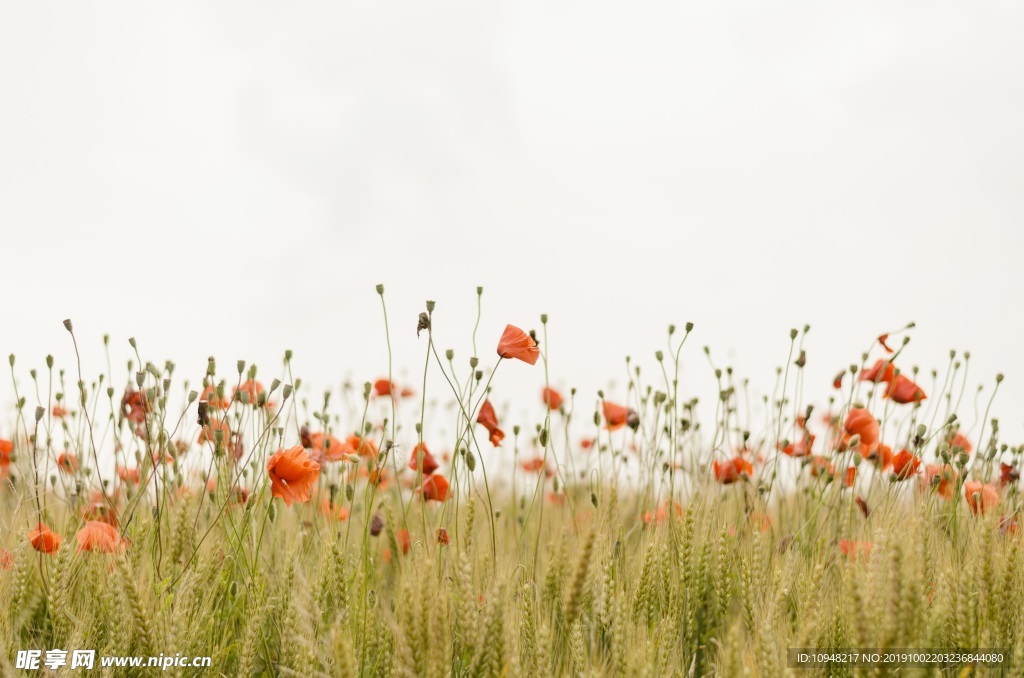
552, 398
883, 340
881, 371
59, 412
442, 537
586, 443
821, 466
958, 441
364, 447
905, 465
853, 549
67, 462
210, 396
515, 343
404, 543
98, 536
489, 420
850, 476
335, 511
128, 475
134, 406
6, 450
329, 448
980, 497
1008, 474
615, 416
383, 387
837, 381
532, 465
44, 540
435, 488
799, 448
902, 390
731, 471
292, 474
860, 422
209, 432
428, 465
943, 478
251, 387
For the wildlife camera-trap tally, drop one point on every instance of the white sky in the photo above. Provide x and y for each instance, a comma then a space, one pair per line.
234, 178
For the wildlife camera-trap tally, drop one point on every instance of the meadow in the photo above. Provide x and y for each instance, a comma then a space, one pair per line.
285, 532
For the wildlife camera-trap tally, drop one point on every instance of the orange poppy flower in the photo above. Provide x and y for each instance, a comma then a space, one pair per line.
943, 478
442, 537
821, 466
428, 465
254, 389
435, 488
883, 339
364, 447
587, 443
383, 387
552, 398
853, 549
128, 475
6, 450
6, 560
404, 543
210, 396
67, 462
905, 465
799, 448
661, 514
292, 474
59, 412
882, 371
489, 420
532, 465
902, 390
134, 406
44, 540
98, 536
1008, 474
980, 497
406, 392
958, 441
850, 476
860, 422
337, 511
615, 416
731, 471
515, 343
329, 448
209, 432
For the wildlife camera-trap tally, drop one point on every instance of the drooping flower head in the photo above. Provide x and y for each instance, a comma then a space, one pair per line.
98, 536
552, 398
435, 488
422, 460
44, 540
489, 420
732, 470
515, 343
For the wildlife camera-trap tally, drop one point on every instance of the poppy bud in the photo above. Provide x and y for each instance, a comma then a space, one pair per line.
140, 378
554, 484
110, 391
261, 399
999, 378
671, 330
963, 459
449, 354
243, 397
349, 491
802, 360
380, 290
211, 366
479, 375
167, 385
49, 362
32, 373
633, 420
515, 430
376, 524
430, 306
854, 441
597, 419
233, 589
593, 499
543, 438
689, 327
470, 461
272, 512
658, 355
10, 359
67, 325
40, 411
792, 333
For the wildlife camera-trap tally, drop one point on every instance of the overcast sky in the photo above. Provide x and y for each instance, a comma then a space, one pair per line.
234, 178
